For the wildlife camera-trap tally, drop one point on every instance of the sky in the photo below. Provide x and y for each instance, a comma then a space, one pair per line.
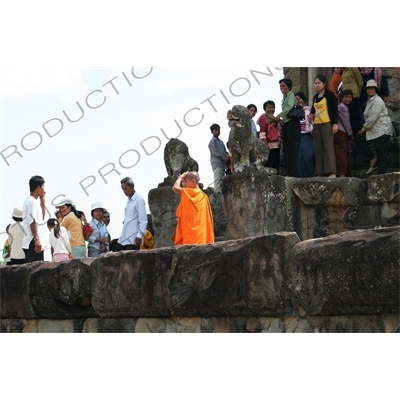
85, 129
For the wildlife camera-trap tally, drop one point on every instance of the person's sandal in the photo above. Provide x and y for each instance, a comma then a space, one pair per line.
371, 170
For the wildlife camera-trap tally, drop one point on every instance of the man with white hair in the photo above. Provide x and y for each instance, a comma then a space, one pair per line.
135, 221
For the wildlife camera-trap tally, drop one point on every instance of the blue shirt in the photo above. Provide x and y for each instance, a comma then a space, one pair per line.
135, 222
99, 231
254, 128
218, 153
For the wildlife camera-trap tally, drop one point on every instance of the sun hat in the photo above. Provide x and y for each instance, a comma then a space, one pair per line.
17, 213
372, 83
95, 206
64, 202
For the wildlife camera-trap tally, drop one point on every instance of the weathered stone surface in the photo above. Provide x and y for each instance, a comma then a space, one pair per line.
257, 203
247, 151
177, 161
163, 203
61, 290
60, 326
386, 323
218, 213
269, 283
325, 206
16, 301
351, 273
228, 278
19, 326
132, 284
329, 206
116, 325
382, 188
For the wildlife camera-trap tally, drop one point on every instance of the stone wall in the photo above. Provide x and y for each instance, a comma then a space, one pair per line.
274, 283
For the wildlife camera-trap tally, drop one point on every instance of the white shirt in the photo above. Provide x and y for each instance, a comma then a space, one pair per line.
15, 237
60, 245
32, 212
135, 222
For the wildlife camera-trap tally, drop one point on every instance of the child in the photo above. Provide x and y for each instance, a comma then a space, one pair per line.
271, 135
60, 245
341, 137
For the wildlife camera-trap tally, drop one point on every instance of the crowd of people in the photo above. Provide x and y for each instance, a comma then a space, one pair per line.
352, 106
69, 235
312, 138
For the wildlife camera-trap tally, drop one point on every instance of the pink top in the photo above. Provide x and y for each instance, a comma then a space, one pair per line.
306, 126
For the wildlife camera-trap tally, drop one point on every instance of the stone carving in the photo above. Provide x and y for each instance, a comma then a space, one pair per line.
196, 279
304, 305
247, 151
177, 161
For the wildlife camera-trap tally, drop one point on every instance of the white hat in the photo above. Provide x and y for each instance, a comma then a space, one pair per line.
17, 213
372, 83
95, 206
64, 202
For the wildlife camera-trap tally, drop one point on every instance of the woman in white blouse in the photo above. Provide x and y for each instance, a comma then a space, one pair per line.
378, 125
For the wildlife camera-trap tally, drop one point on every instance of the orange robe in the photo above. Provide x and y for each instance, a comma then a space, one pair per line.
195, 222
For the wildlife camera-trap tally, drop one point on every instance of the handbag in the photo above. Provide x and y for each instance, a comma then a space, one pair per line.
87, 231
296, 112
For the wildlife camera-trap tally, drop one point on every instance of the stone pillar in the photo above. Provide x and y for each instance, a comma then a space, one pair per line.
163, 203
257, 203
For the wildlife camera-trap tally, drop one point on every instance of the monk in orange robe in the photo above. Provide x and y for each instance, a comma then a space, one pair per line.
194, 217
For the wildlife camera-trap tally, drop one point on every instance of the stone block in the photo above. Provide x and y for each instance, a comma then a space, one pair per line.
16, 302
350, 273
60, 326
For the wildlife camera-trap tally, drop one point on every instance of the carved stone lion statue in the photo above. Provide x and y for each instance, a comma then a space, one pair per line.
177, 161
247, 151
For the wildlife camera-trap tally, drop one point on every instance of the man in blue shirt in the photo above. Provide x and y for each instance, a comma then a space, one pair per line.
218, 157
135, 222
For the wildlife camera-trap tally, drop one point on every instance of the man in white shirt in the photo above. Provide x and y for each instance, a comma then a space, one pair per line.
135, 221
33, 212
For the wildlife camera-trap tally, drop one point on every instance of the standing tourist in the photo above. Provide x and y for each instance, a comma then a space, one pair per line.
33, 212
59, 241
219, 157
16, 236
344, 134
291, 135
253, 111
135, 221
324, 115
99, 240
72, 221
378, 125
307, 150
271, 135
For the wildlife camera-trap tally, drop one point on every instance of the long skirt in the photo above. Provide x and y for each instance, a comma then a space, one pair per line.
342, 154
306, 156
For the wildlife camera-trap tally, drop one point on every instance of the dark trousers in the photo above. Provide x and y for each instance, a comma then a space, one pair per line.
356, 115
17, 261
291, 138
365, 149
119, 247
382, 153
274, 159
307, 156
31, 255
